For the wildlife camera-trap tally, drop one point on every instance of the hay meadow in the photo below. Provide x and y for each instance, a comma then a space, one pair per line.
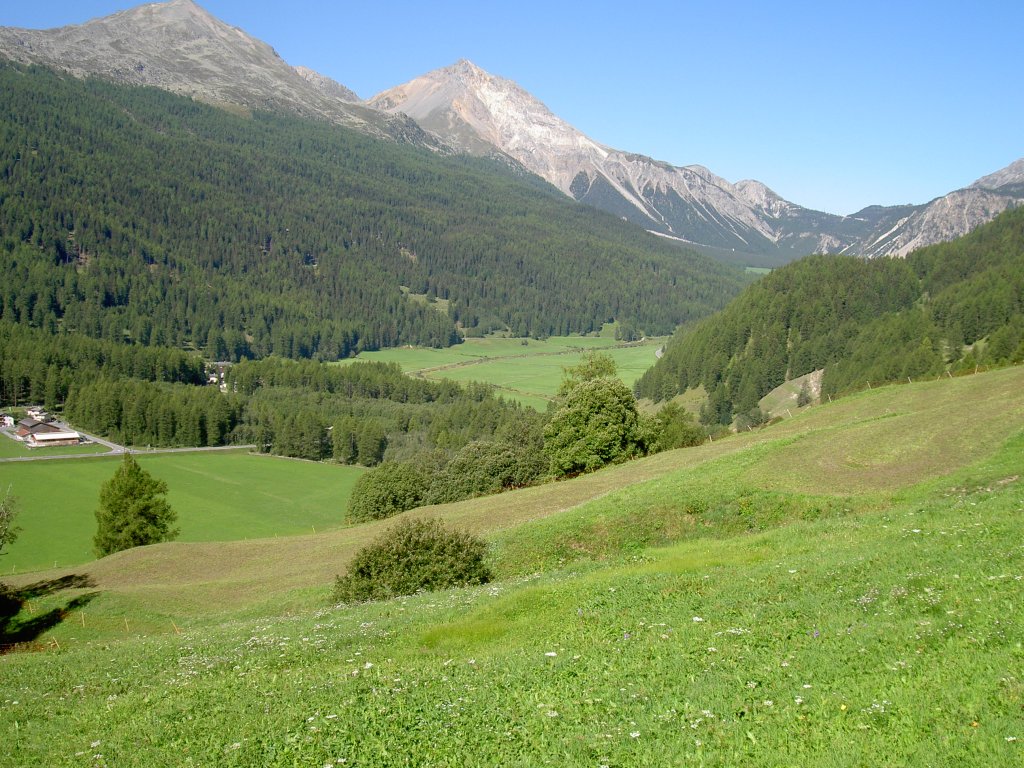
528, 371
219, 496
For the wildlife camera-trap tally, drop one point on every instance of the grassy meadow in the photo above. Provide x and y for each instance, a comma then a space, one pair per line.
219, 496
839, 589
525, 370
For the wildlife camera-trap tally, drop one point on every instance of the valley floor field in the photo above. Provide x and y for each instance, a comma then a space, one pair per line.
525, 370
218, 495
839, 589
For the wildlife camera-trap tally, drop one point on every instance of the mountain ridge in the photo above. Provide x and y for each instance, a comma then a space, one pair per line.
180, 47
468, 106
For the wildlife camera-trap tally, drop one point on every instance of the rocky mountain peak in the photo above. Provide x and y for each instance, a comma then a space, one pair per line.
180, 47
1013, 174
762, 198
466, 68
479, 112
180, 10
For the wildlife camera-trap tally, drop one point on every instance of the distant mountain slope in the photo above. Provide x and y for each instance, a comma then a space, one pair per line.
180, 47
949, 305
473, 110
1009, 178
941, 220
476, 111
134, 214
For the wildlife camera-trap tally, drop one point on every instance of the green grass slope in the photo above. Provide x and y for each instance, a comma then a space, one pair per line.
841, 591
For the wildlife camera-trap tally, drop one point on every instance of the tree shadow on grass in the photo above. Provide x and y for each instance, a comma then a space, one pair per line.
16, 628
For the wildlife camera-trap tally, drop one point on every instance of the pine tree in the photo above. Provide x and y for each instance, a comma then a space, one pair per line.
132, 511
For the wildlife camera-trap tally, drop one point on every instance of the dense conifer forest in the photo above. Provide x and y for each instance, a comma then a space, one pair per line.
948, 306
135, 215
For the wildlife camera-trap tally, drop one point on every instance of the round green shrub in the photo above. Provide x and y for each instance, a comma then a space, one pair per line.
596, 424
484, 467
387, 490
413, 556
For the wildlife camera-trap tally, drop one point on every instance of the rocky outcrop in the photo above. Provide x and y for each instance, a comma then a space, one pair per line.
327, 86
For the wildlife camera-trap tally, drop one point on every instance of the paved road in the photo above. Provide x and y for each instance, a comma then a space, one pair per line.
115, 450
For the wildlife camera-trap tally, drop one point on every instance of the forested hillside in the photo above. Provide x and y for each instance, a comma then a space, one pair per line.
952, 305
135, 215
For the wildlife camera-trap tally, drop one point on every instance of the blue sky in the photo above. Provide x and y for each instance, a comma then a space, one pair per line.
835, 106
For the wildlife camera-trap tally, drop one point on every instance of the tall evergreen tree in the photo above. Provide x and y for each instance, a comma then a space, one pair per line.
133, 510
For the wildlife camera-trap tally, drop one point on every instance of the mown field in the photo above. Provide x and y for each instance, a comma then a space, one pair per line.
526, 370
840, 589
219, 496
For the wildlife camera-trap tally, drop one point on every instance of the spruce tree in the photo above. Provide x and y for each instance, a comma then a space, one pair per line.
132, 511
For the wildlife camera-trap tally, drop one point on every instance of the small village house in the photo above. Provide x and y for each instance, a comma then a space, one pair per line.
29, 427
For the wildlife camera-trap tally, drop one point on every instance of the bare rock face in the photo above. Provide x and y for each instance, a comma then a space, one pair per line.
479, 112
327, 86
941, 220
180, 47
